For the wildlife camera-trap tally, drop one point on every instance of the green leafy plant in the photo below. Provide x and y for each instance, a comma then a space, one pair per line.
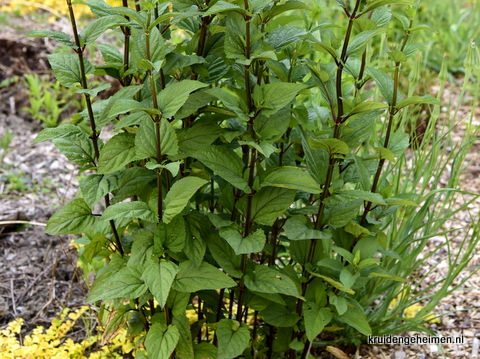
5, 142
253, 178
47, 100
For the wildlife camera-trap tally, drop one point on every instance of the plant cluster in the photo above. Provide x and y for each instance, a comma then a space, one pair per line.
55, 7
47, 100
51, 343
254, 175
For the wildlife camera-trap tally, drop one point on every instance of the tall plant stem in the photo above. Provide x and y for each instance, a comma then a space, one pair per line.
88, 101
248, 219
248, 93
157, 120
336, 133
126, 45
392, 111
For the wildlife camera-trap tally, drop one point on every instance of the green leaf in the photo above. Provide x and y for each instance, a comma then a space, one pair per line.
274, 96
316, 161
195, 247
356, 229
384, 83
279, 316
142, 249
378, 3
168, 138
175, 95
264, 148
397, 56
356, 319
364, 195
64, 130
399, 142
296, 229
316, 319
347, 278
121, 102
334, 283
271, 281
116, 153
72, 142
95, 91
283, 36
179, 196
243, 245
385, 154
110, 54
340, 303
133, 182
94, 187
96, 248
366, 106
159, 279
136, 209
126, 283
59, 36
225, 163
291, 177
195, 101
233, 338
170, 236
231, 101
176, 61
185, 343
145, 139
272, 128
235, 31
363, 172
387, 276
340, 210
331, 145
222, 6
191, 278
172, 167
100, 26
280, 8
357, 47
205, 350
268, 204
146, 142
224, 255
66, 68
320, 46
427, 99
135, 15
74, 218
161, 341
198, 136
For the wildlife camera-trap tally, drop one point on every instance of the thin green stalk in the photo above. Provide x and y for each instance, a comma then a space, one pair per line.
91, 117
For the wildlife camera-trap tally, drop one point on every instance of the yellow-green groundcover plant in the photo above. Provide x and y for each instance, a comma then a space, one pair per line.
52, 342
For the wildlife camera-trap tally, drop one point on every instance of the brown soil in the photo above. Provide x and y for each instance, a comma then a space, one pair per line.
38, 276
